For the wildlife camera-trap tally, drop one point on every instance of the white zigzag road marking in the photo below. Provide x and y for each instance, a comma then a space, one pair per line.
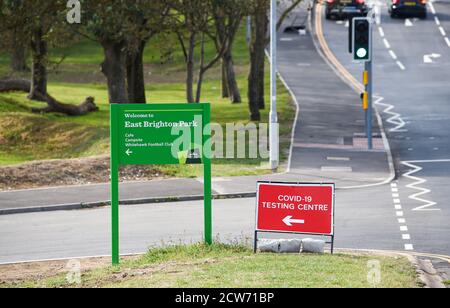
395, 119
418, 182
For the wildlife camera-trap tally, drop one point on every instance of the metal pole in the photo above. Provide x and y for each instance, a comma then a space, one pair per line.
369, 90
274, 130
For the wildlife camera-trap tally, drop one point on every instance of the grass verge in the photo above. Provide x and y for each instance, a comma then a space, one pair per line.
235, 266
26, 138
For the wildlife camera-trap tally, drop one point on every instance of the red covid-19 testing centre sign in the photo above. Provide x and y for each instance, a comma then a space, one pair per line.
296, 208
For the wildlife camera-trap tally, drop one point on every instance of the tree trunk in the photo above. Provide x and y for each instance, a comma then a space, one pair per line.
233, 89
225, 91
39, 69
12, 85
8, 85
71, 110
135, 75
113, 67
260, 23
19, 56
190, 66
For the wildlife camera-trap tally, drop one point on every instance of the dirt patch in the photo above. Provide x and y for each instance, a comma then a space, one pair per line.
50, 173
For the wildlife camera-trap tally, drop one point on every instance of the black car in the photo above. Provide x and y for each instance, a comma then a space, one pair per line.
413, 8
340, 9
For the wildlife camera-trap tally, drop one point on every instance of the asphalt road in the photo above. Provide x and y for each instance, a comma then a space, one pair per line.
414, 101
68, 234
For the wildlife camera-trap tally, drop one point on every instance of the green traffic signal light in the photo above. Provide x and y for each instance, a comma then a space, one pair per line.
361, 39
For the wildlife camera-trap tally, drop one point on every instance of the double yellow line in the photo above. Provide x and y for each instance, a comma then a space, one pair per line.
330, 55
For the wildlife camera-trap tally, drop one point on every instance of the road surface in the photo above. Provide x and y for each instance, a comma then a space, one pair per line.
411, 81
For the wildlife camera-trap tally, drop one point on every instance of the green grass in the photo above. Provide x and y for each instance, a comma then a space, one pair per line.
447, 282
235, 266
26, 137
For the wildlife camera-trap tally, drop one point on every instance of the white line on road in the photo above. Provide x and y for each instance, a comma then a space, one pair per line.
400, 64
409, 247
433, 10
338, 158
438, 22
386, 44
442, 31
380, 29
447, 40
428, 205
400, 216
393, 55
395, 119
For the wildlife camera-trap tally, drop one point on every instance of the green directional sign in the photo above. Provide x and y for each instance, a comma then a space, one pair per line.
159, 134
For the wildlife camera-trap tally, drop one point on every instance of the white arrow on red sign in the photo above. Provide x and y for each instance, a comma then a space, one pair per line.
289, 221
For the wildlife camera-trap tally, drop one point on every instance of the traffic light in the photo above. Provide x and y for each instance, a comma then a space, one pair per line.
362, 39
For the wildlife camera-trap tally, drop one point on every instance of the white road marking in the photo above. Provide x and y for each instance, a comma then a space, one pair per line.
395, 195
393, 55
337, 169
433, 10
418, 182
442, 31
447, 40
429, 58
409, 247
347, 24
386, 44
395, 119
400, 216
408, 23
286, 39
400, 64
381, 30
438, 22
338, 158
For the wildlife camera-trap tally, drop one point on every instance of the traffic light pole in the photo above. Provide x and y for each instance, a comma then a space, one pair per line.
369, 91
369, 110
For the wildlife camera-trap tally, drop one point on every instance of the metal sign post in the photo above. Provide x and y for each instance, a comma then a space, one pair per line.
274, 129
159, 134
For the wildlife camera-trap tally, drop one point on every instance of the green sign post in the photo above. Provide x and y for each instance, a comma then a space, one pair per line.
159, 134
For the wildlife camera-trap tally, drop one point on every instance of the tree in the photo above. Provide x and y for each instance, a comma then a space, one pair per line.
123, 28
258, 9
228, 15
194, 25
39, 22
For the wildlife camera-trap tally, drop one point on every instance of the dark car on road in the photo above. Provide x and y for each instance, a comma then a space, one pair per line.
408, 8
341, 9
